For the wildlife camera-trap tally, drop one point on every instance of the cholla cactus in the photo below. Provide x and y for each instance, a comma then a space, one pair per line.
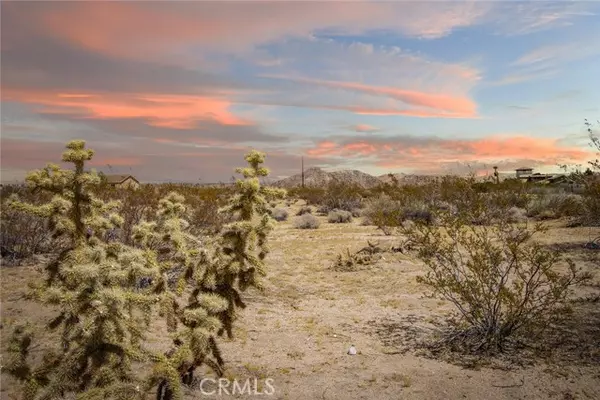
73, 211
243, 244
101, 314
180, 260
213, 273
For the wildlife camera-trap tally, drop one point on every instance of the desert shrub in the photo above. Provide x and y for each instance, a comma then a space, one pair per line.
587, 183
502, 283
516, 214
135, 205
366, 256
203, 204
479, 203
341, 196
509, 194
336, 195
418, 213
445, 206
383, 212
306, 221
22, 235
280, 214
461, 193
311, 195
555, 206
590, 215
590, 181
339, 217
304, 210
356, 212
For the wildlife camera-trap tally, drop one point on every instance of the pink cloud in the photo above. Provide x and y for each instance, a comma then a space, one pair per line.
171, 111
431, 155
364, 128
142, 29
426, 104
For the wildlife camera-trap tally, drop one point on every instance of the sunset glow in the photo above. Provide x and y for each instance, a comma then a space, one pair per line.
180, 90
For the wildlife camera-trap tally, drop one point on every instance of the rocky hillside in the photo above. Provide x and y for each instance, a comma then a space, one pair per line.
316, 177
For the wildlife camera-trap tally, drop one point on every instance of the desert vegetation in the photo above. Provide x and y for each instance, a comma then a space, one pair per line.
139, 292
94, 283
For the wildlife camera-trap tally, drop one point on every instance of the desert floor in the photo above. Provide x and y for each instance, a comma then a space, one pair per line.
298, 331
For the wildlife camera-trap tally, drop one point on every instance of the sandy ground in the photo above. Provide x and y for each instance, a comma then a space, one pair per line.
297, 333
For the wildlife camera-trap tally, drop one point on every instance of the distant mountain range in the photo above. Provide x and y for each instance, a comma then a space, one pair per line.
316, 177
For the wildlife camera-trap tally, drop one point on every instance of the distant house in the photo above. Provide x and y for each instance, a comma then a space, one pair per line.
122, 181
540, 178
524, 172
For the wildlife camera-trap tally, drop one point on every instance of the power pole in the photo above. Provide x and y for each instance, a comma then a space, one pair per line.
302, 172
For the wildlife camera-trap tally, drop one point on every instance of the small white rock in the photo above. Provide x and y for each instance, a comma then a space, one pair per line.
352, 350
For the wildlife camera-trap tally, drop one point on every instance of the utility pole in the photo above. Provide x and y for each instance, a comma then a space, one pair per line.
302, 171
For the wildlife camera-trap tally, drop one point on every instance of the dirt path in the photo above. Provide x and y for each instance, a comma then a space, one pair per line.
298, 331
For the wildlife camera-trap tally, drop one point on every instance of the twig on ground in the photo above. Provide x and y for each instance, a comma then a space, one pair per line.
511, 386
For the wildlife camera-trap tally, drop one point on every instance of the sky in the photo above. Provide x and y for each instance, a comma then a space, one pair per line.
180, 90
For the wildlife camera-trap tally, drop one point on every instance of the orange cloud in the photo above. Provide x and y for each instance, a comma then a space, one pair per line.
364, 128
329, 148
430, 155
171, 111
427, 104
138, 29
516, 147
